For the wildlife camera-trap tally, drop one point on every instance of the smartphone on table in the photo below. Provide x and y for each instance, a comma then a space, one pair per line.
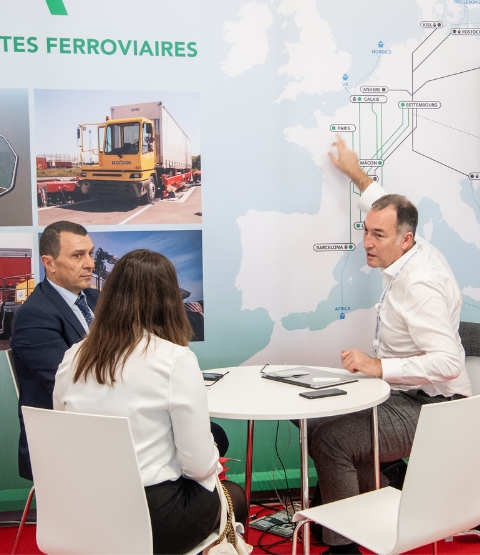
319, 393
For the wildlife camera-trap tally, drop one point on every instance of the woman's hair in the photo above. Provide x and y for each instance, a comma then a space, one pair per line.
140, 295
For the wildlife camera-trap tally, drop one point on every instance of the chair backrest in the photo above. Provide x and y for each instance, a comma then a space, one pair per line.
90, 497
441, 492
11, 364
470, 336
473, 371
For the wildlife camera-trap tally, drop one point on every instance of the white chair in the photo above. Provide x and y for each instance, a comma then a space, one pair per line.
440, 494
11, 364
470, 336
90, 497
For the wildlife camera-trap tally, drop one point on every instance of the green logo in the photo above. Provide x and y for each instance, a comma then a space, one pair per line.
56, 7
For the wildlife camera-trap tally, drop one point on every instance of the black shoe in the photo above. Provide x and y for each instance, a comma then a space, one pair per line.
395, 472
316, 529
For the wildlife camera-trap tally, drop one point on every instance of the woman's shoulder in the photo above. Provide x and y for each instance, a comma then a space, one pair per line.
168, 358
72, 351
158, 346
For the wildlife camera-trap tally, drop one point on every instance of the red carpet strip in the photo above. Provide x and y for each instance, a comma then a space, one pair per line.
262, 542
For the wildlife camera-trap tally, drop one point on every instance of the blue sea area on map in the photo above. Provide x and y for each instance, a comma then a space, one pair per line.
380, 22
355, 289
471, 196
329, 102
463, 257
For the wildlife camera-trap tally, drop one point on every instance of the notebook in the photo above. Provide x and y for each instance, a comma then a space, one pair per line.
308, 377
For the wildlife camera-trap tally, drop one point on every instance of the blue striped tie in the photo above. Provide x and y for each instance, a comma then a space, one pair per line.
82, 305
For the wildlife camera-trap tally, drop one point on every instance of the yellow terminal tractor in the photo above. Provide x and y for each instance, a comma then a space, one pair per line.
140, 152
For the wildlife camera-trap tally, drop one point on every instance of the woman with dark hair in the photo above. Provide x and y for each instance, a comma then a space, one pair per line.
135, 362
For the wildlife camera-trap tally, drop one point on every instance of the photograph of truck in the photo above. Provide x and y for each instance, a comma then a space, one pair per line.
142, 153
136, 164
16, 279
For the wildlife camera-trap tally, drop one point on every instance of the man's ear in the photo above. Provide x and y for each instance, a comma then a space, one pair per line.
48, 263
407, 241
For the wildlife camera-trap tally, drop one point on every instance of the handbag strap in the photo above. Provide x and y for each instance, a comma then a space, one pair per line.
229, 529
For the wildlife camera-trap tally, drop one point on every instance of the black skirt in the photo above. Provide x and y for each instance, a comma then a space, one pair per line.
183, 513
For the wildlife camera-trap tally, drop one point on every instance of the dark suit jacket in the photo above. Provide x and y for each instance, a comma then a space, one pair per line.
43, 329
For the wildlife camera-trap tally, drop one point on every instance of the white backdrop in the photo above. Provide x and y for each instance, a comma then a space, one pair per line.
273, 81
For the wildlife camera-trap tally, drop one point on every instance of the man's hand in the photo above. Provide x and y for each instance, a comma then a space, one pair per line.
347, 162
354, 360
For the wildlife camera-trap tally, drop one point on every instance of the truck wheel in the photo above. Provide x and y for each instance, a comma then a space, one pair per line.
151, 190
41, 197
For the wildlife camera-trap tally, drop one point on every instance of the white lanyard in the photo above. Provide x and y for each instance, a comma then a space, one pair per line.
376, 341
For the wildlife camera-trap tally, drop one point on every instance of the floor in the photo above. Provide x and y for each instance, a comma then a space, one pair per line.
262, 542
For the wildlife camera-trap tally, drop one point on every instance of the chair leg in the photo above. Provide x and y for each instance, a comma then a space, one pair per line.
295, 535
434, 548
24, 518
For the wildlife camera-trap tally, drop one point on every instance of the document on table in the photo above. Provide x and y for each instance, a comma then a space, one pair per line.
312, 378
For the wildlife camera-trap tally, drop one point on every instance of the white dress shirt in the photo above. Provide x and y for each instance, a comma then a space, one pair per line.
418, 341
163, 394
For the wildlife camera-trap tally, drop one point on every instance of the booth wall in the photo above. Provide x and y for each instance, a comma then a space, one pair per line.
269, 247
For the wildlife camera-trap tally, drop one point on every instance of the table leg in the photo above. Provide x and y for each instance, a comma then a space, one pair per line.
304, 482
375, 447
248, 473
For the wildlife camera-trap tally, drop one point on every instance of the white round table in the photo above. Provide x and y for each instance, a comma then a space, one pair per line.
242, 394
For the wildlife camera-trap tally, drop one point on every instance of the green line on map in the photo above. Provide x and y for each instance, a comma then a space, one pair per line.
376, 127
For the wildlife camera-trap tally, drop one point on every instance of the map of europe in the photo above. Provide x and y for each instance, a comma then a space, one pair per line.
400, 83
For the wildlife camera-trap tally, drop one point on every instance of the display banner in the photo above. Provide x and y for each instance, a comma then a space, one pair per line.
203, 130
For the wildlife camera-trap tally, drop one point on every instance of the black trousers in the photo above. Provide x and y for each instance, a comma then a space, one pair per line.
182, 513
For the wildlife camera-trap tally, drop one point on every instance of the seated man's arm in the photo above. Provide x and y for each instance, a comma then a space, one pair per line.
355, 360
38, 345
347, 162
429, 326
428, 331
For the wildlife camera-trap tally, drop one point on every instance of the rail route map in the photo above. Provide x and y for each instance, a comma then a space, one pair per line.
402, 89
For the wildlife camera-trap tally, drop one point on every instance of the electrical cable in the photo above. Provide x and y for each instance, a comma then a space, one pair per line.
288, 497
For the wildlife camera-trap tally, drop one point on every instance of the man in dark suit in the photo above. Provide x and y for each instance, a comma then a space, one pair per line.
52, 319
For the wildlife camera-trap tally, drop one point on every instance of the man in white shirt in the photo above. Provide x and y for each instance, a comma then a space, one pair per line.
416, 347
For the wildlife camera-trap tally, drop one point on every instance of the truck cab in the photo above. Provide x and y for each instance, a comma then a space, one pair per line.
123, 137
121, 165
140, 152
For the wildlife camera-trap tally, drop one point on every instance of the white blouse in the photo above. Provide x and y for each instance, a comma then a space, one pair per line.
162, 393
